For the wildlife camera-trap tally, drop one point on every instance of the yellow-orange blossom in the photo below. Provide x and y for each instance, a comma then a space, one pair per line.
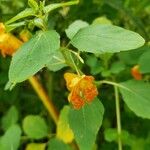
82, 89
8, 43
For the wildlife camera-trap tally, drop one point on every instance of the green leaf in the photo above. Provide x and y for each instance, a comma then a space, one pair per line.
75, 27
36, 146
136, 95
10, 118
56, 144
85, 123
35, 127
33, 56
132, 57
56, 62
106, 38
23, 14
112, 135
11, 139
64, 132
95, 65
144, 61
117, 67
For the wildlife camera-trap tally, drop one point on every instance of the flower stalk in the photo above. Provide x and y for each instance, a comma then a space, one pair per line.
44, 98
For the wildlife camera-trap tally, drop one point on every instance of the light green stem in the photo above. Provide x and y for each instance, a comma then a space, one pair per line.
116, 85
118, 117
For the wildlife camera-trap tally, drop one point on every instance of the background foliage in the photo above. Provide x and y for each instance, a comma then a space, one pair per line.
19, 106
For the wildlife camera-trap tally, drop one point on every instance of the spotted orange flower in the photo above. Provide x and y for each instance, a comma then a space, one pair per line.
8, 43
136, 73
82, 89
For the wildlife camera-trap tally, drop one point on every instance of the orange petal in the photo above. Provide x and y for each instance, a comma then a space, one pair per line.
75, 99
88, 88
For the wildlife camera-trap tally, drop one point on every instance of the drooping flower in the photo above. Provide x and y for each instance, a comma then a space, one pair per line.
8, 43
136, 72
82, 89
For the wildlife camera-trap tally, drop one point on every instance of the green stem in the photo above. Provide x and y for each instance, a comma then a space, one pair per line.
118, 117
114, 84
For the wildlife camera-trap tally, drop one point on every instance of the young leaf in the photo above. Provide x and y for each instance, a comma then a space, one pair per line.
12, 26
35, 127
75, 27
136, 95
11, 139
10, 118
85, 123
33, 56
33, 4
101, 20
56, 62
64, 132
23, 14
54, 6
56, 144
106, 38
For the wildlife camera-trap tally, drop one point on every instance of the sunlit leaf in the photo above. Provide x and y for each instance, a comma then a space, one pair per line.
36, 146
63, 130
106, 38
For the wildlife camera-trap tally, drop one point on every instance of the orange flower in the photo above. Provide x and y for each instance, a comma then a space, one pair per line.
136, 73
82, 90
8, 43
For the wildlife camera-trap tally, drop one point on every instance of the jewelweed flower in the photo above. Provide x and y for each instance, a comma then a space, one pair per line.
136, 72
82, 89
8, 43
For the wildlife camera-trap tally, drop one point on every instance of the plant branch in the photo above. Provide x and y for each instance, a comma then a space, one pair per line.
44, 98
